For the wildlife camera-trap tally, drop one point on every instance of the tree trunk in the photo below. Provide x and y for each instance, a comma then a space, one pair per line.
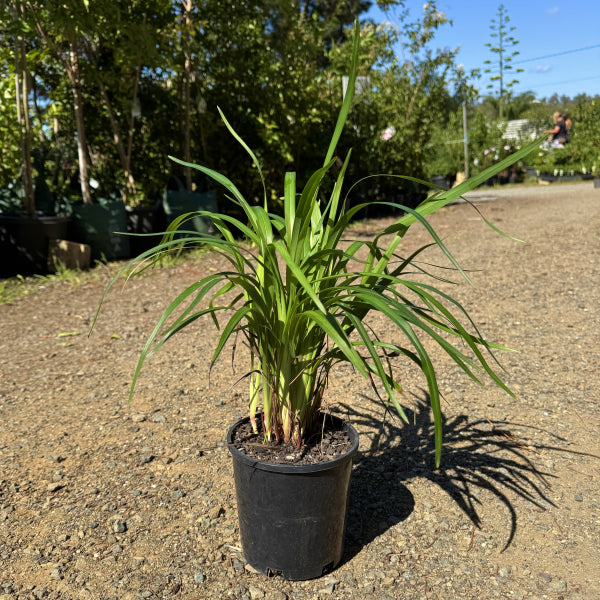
75, 80
138, 71
187, 68
118, 139
22, 100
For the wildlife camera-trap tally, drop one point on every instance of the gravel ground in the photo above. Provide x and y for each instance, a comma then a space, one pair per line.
101, 500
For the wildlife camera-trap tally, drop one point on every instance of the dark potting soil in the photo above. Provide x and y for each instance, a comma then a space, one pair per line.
326, 444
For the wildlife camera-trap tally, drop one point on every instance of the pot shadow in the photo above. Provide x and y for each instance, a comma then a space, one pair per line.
478, 455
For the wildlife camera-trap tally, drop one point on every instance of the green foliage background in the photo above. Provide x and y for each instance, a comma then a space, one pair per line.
153, 72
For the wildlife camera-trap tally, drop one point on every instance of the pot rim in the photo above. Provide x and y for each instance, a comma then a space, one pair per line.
295, 468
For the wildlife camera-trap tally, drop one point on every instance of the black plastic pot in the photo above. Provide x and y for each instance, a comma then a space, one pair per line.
24, 243
177, 201
440, 180
101, 226
141, 221
292, 517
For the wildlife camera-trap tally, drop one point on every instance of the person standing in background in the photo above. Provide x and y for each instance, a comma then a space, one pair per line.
559, 136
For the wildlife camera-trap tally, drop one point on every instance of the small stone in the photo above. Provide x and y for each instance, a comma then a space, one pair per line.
545, 576
93, 525
56, 573
178, 494
144, 458
275, 595
251, 569
54, 486
216, 512
40, 593
503, 574
348, 579
139, 418
255, 593
159, 419
117, 549
199, 577
578, 497
119, 526
557, 586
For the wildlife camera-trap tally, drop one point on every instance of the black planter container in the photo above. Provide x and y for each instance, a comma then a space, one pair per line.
101, 226
292, 517
177, 201
24, 243
147, 219
440, 180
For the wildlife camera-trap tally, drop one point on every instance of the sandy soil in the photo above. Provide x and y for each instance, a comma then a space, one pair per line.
101, 500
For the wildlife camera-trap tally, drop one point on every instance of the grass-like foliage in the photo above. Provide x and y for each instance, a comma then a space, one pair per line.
297, 290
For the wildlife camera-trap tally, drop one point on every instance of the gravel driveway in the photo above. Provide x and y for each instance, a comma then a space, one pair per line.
101, 500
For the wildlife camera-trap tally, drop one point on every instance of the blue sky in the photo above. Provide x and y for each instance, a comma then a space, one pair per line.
543, 28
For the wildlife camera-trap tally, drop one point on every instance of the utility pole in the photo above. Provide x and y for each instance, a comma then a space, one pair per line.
466, 138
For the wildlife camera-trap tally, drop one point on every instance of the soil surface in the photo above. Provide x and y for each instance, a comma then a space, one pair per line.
104, 500
323, 445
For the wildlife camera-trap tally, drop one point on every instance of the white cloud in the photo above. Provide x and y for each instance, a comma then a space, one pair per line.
553, 10
542, 69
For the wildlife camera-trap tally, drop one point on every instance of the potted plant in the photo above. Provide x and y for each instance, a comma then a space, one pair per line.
28, 225
298, 293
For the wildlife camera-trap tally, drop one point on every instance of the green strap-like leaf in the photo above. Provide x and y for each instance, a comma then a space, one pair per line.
345, 109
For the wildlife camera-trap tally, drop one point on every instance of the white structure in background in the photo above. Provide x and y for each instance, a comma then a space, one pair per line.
362, 84
519, 130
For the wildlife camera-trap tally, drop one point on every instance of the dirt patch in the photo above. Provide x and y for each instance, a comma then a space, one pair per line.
100, 499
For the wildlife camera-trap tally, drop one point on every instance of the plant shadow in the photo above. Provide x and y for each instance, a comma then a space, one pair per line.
478, 455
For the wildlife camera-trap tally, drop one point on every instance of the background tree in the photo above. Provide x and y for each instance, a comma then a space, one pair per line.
509, 108
16, 52
59, 26
124, 43
503, 46
394, 125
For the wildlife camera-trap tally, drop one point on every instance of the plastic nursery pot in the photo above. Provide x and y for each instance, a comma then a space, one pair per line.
144, 220
178, 201
24, 243
292, 517
101, 226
